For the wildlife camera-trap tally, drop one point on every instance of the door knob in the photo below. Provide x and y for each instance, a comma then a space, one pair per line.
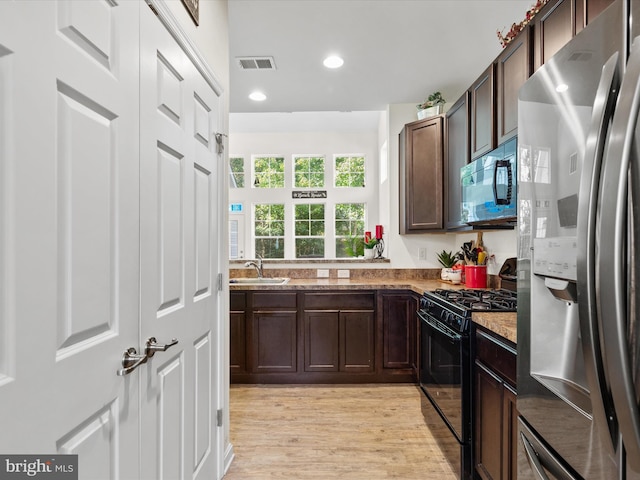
130, 361
153, 346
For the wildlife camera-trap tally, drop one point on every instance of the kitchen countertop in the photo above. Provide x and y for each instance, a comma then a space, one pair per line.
501, 323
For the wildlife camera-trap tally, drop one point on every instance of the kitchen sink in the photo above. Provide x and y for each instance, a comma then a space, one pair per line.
259, 281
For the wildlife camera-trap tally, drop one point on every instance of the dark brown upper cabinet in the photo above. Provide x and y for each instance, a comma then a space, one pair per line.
421, 176
588, 10
457, 133
482, 92
513, 68
552, 28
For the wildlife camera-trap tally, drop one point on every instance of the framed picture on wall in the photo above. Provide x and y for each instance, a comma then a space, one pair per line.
193, 6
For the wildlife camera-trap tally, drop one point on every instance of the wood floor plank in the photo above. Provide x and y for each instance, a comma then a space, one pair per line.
352, 432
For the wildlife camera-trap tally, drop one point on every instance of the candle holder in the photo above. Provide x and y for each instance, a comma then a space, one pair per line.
379, 248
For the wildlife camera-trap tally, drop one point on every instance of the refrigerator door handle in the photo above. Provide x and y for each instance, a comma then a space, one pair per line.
532, 458
604, 104
612, 265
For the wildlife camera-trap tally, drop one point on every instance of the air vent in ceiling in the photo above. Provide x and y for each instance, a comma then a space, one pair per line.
256, 63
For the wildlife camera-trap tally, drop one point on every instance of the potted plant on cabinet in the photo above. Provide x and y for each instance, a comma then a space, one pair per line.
433, 105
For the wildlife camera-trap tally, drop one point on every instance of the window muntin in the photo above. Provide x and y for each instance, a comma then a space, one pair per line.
308, 171
349, 227
349, 171
236, 172
309, 230
268, 172
269, 230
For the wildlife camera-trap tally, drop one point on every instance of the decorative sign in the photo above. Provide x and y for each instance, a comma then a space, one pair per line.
236, 207
309, 194
193, 6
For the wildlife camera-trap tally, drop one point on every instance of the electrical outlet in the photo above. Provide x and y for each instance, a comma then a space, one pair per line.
343, 273
422, 253
322, 273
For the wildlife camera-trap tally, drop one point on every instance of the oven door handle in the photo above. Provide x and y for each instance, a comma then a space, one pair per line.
454, 337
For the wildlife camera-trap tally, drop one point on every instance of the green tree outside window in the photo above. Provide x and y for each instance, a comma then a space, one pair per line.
309, 172
236, 172
269, 230
268, 172
309, 230
349, 171
349, 218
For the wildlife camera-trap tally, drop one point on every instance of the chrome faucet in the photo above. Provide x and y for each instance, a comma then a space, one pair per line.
257, 264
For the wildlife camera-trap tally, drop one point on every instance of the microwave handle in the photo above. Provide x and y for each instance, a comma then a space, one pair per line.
502, 164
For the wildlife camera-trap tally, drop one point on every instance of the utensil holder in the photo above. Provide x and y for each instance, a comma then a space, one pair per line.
475, 276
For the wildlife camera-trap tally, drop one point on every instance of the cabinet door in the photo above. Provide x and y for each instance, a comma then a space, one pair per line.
456, 156
421, 176
237, 332
488, 424
237, 345
356, 341
509, 434
553, 27
588, 10
274, 342
482, 114
321, 341
513, 67
398, 330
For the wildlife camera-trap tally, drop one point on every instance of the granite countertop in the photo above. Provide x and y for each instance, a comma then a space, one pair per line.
501, 323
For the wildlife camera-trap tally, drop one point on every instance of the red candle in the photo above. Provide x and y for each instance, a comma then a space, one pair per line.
367, 236
379, 231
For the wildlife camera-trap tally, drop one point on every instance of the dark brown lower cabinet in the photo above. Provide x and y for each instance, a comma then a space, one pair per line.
274, 345
323, 336
495, 423
399, 330
338, 341
237, 332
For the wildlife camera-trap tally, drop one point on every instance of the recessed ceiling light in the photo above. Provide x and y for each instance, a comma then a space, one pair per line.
333, 62
257, 96
563, 87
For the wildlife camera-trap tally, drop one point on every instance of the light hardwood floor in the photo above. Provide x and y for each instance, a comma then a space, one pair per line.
352, 432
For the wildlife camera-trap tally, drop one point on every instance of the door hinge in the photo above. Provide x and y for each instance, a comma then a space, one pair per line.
219, 417
220, 282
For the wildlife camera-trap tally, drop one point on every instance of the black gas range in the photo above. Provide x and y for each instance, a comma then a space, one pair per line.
445, 365
454, 307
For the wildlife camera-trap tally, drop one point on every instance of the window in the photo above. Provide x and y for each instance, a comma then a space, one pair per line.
269, 230
349, 171
309, 227
268, 172
349, 219
236, 172
309, 172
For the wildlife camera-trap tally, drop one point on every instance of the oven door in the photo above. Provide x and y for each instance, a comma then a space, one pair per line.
442, 376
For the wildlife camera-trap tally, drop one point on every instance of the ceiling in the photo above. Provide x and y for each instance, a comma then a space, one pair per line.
395, 51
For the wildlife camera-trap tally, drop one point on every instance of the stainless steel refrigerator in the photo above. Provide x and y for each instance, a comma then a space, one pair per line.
578, 253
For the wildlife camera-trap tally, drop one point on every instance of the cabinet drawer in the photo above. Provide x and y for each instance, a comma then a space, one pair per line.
339, 301
237, 301
274, 300
497, 355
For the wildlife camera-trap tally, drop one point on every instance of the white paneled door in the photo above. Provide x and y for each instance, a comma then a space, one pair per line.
108, 196
179, 115
69, 217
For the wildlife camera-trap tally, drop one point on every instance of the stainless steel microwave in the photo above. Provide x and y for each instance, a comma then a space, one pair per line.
489, 187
